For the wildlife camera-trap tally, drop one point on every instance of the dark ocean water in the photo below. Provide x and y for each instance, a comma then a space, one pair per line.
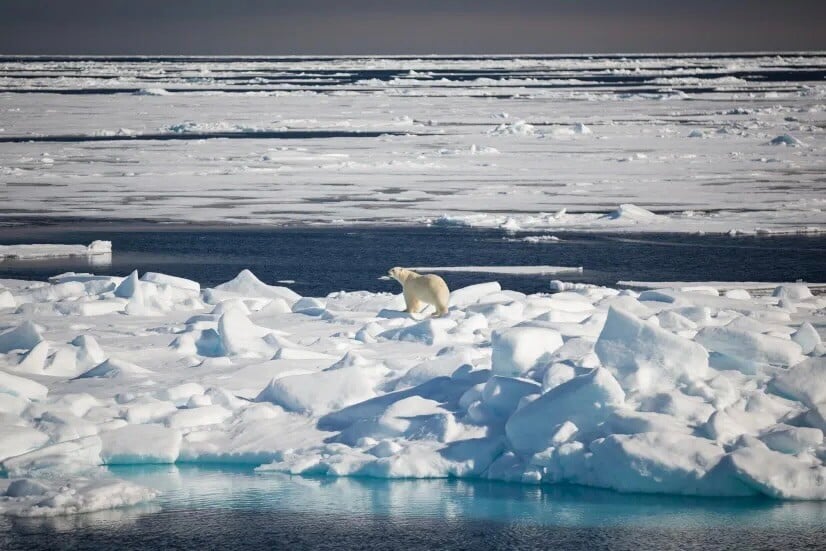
323, 260
235, 508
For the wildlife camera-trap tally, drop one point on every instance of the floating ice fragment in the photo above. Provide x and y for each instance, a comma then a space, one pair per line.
29, 252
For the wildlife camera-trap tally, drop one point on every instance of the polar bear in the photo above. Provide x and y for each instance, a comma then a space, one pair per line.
418, 289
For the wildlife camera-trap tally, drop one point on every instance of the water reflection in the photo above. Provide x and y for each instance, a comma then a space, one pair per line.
224, 507
73, 523
100, 259
200, 488
42, 268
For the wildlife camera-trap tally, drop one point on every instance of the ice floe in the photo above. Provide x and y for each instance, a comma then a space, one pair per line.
46, 497
40, 251
689, 389
536, 270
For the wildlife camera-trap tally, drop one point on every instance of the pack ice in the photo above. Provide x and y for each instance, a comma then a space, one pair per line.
670, 390
719, 143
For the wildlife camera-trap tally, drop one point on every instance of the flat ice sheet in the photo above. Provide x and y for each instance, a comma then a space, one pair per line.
719, 285
40, 251
658, 143
526, 270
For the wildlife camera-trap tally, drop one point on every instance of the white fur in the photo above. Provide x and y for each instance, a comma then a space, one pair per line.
418, 289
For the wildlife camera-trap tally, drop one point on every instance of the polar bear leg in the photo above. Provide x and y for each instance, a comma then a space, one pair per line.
414, 306
441, 310
441, 299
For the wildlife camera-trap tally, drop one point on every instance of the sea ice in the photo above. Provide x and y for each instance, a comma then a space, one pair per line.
537, 270
39, 498
687, 390
135, 444
517, 350
38, 251
646, 356
586, 401
366, 130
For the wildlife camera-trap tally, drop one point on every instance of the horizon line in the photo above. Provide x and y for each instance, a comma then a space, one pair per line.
425, 55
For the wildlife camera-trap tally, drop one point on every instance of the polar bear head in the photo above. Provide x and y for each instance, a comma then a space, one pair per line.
399, 274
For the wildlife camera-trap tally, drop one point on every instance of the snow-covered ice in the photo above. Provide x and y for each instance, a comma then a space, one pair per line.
682, 391
24, 497
687, 143
524, 270
713, 388
41, 251
723, 286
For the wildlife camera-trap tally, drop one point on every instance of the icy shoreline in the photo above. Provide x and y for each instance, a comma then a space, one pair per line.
679, 391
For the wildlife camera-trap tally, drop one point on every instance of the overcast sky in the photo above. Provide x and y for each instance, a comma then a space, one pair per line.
259, 27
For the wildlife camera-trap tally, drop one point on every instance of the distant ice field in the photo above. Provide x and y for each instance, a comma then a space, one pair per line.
698, 143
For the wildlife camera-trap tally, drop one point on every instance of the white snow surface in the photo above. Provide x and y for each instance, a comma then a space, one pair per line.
38, 251
717, 285
664, 391
535, 270
546, 145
